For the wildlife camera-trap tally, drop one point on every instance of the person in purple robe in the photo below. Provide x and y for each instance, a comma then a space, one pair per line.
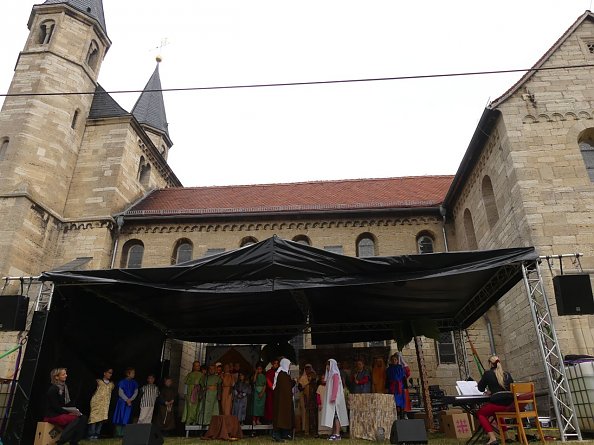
127, 392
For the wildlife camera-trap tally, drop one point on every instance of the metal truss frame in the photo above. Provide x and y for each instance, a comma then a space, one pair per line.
44, 296
325, 328
551, 354
480, 300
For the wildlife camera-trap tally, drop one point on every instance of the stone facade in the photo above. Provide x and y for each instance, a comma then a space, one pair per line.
541, 194
66, 178
394, 235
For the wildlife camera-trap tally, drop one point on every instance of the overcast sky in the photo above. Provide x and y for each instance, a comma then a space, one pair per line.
321, 132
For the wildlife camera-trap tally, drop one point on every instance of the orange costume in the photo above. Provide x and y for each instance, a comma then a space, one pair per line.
378, 376
227, 392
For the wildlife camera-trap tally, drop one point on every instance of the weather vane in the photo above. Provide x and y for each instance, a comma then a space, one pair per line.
164, 42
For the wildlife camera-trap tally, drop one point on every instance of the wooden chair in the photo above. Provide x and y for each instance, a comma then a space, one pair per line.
523, 397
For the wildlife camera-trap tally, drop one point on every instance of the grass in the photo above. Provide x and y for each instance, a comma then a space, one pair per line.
434, 439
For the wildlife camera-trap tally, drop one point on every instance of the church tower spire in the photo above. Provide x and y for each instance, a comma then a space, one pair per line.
149, 111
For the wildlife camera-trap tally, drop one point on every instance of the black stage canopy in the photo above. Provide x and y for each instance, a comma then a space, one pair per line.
276, 288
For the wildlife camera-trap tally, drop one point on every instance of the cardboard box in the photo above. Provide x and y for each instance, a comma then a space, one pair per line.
447, 412
47, 434
457, 426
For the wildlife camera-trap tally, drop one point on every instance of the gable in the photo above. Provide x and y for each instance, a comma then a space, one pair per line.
571, 49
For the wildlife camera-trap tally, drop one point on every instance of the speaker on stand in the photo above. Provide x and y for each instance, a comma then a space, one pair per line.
573, 294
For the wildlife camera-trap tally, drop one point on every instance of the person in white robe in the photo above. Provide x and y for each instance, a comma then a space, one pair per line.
334, 409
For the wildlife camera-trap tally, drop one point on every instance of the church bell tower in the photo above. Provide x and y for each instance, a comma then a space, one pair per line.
42, 123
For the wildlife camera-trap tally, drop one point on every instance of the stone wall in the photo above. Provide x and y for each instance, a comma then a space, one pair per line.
92, 239
44, 138
8, 340
393, 235
544, 121
28, 236
106, 179
542, 192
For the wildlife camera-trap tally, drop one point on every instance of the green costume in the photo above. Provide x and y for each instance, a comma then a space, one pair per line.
211, 405
194, 395
259, 387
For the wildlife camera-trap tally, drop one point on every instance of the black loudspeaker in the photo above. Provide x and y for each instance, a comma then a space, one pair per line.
573, 294
408, 431
13, 312
142, 434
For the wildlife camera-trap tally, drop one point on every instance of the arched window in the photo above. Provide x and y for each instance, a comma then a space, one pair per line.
489, 201
141, 163
182, 251
469, 230
248, 241
366, 245
144, 172
46, 29
302, 239
93, 55
132, 253
74, 118
145, 175
424, 243
587, 150
3, 148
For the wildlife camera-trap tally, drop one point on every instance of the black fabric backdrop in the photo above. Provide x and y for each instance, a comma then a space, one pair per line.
87, 336
271, 290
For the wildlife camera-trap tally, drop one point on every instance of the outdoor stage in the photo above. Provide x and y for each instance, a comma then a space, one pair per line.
264, 293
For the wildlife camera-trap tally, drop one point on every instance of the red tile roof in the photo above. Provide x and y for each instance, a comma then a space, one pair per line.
353, 194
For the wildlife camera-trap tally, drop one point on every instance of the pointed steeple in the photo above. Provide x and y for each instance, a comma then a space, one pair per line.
150, 107
92, 8
105, 106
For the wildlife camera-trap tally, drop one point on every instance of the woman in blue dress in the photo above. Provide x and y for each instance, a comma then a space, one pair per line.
127, 393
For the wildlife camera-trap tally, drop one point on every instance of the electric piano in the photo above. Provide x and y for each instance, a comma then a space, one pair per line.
468, 403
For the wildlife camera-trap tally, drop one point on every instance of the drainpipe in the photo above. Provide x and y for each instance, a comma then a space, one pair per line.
443, 212
119, 225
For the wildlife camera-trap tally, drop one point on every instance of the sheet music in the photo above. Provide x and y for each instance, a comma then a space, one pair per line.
468, 388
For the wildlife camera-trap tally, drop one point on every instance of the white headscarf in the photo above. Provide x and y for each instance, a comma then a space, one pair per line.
401, 360
332, 369
283, 367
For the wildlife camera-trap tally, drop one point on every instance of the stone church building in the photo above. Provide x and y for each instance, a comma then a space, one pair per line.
82, 179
